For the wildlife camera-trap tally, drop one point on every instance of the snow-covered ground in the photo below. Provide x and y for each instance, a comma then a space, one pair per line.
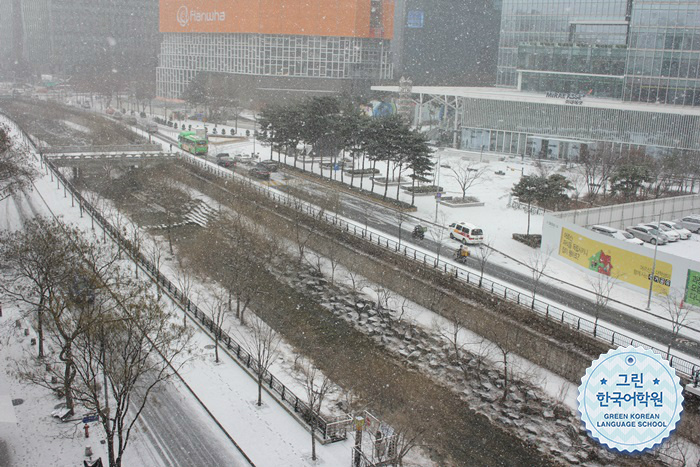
267, 434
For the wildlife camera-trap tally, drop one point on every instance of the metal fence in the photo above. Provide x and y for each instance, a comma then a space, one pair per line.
329, 430
574, 322
147, 147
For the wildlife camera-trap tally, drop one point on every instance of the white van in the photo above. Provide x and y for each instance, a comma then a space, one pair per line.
469, 234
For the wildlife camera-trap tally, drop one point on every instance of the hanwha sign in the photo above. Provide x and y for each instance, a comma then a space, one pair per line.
183, 16
336, 18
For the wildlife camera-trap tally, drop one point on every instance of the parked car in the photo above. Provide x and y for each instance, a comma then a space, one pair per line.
648, 234
117, 116
672, 235
616, 233
224, 159
466, 233
260, 173
85, 105
130, 120
270, 165
151, 127
683, 232
691, 222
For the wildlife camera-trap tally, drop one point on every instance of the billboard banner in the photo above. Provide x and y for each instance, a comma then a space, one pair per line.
623, 265
337, 18
692, 288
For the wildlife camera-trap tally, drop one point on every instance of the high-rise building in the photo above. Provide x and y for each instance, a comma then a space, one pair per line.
292, 44
634, 50
447, 42
70, 37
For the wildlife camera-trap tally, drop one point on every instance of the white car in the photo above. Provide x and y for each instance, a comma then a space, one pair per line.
616, 233
672, 235
682, 231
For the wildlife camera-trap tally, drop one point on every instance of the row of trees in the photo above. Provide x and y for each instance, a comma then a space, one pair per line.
631, 174
16, 174
337, 131
104, 341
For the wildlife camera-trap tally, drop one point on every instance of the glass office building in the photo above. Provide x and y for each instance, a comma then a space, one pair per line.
559, 126
634, 50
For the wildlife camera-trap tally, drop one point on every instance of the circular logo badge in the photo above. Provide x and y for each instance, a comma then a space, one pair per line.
630, 399
183, 16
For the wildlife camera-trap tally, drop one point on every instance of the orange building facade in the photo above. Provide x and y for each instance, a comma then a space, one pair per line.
335, 18
303, 43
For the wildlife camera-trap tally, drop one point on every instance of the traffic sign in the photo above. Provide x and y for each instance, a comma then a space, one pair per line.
90, 418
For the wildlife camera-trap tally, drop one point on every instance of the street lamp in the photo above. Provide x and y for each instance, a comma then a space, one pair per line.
437, 194
653, 268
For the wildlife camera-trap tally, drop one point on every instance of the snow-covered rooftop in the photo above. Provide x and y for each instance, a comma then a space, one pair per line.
506, 94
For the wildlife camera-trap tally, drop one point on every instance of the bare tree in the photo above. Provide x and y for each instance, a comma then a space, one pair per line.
506, 340
602, 285
38, 256
16, 172
169, 195
538, 265
439, 234
316, 386
467, 175
301, 234
217, 310
405, 437
184, 280
677, 311
483, 253
133, 350
263, 344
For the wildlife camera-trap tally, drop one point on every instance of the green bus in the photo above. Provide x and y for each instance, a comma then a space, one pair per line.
190, 142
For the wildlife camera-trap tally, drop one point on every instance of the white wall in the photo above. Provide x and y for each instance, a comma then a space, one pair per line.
625, 215
551, 237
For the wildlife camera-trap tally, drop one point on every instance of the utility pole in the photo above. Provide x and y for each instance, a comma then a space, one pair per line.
653, 268
437, 187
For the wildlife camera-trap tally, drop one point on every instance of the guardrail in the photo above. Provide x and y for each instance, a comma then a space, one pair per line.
551, 312
151, 147
328, 430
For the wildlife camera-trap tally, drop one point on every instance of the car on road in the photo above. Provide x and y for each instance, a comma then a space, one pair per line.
616, 233
270, 165
85, 105
260, 173
648, 234
223, 159
672, 235
691, 222
130, 120
467, 233
117, 116
683, 232
152, 127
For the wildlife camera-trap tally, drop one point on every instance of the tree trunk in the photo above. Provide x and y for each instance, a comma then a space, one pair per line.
260, 376
40, 326
68, 380
413, 192
362, 177
216, 345
386, 180
313, 438
528, 218
398, 185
